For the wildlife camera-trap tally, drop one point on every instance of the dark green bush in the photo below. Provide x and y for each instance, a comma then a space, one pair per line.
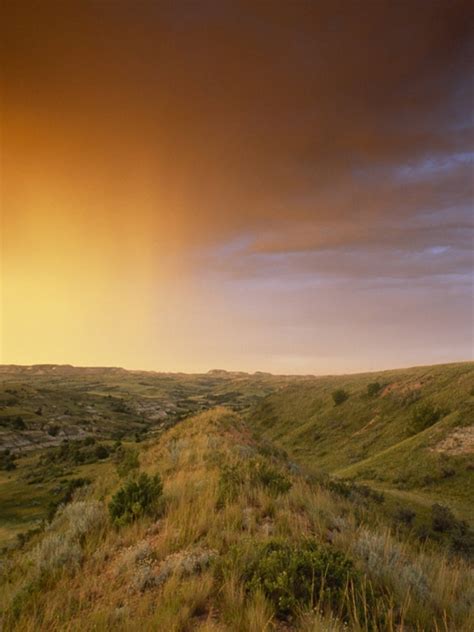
300, 576
19, 424
442, 518
446, 528
373, 389
405, 515
7, 461
424, 416
101, 452
136, 498
462, 540
340, 396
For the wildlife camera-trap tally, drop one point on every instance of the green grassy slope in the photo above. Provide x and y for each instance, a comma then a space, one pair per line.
376, 438
28, 492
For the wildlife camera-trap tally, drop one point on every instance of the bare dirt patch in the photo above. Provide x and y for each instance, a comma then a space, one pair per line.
401, 388
461, 441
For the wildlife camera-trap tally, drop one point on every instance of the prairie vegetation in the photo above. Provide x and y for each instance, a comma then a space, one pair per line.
241, 539
63, 422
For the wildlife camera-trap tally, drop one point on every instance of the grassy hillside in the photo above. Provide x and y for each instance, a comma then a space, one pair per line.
408, 432
236, 538
45, 407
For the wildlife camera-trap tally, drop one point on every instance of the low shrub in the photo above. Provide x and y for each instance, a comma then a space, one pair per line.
300, 576
373, 389
56, 551
101, 452
457, 533
339, 396
442, 518
445, 529
81, 517
19, 424
462, 541
386, 562
424, 416
405, 516
447, 471
138, 497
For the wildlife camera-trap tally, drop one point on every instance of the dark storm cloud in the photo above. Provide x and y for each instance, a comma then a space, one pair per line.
328, 126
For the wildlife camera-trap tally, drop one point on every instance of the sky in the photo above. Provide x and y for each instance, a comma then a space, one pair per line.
281, 186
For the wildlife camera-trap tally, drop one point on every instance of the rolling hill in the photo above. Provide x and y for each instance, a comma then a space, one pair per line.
408, 432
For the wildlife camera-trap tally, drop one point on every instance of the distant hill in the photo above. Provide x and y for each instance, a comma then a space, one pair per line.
409, 432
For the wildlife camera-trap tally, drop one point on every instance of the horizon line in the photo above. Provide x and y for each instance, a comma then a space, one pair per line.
228, 371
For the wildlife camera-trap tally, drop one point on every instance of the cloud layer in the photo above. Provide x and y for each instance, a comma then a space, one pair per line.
309, 160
